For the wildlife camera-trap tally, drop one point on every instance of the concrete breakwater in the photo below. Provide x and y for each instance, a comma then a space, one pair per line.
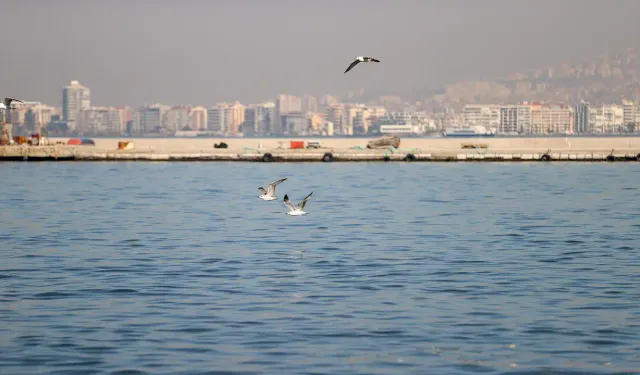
442, 154
425, 145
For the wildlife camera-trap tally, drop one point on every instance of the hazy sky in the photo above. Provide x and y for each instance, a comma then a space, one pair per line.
202, 51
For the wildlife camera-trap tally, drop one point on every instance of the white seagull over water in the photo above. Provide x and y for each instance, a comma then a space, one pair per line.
296, 210
6, 103
269, 194
360, 59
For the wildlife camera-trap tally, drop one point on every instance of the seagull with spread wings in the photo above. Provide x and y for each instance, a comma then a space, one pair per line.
360, 59
296, 210
269, 194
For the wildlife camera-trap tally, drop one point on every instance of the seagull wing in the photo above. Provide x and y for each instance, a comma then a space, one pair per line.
272, 186
351, 66
288, 203
304, 201
262, 190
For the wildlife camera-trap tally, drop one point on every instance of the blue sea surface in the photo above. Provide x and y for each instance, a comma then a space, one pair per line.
399, 268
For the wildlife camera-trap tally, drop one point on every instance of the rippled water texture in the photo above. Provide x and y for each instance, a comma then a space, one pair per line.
425, 268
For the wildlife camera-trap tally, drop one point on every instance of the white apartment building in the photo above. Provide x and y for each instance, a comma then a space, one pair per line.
284, 104
630, 114
607, 118
176, 118
482, 115
335, 115
75, 98
552, 119
258, 119
515, 119
148, 119
349, 114
581, 123
198, 118
216, 120
100, 121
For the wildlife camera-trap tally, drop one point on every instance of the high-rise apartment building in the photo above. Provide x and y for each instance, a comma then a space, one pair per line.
235, 113
515, 119
295, 123
226, 118
259, 118
581, 121
216, 119
75, 98
630, 112
126, 117
482, 115
149, 118
335, 115
198, 118
349, 114
551, 119
606, 119
284, 104
176, 119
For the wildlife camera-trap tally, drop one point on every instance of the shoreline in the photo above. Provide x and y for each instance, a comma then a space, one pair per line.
335, 150
63, 153
436, 144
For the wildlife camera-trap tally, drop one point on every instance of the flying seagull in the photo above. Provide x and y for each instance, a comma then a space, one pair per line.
360, 59
7, 102
296, 210
269, 194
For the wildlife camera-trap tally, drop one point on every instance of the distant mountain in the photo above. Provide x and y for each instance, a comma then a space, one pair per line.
606, 79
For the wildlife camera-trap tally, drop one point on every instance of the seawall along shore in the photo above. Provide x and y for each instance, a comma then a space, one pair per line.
336, 149
426, 144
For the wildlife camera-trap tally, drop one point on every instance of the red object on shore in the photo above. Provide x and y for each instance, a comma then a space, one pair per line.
297, 144
83, 141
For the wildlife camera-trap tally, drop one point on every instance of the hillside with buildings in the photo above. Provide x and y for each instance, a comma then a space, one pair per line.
599, 96
607, 79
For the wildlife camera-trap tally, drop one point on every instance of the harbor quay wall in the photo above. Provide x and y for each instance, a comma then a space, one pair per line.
335, 149
425, 144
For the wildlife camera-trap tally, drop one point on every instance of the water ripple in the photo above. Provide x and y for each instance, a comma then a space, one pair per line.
163, 268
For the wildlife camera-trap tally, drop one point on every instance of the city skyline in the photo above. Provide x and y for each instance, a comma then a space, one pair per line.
308, 115
212, 59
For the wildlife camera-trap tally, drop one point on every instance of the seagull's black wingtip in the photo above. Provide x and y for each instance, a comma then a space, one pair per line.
286, 197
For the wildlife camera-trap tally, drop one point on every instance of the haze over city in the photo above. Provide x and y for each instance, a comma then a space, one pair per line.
201, 52
465, 200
